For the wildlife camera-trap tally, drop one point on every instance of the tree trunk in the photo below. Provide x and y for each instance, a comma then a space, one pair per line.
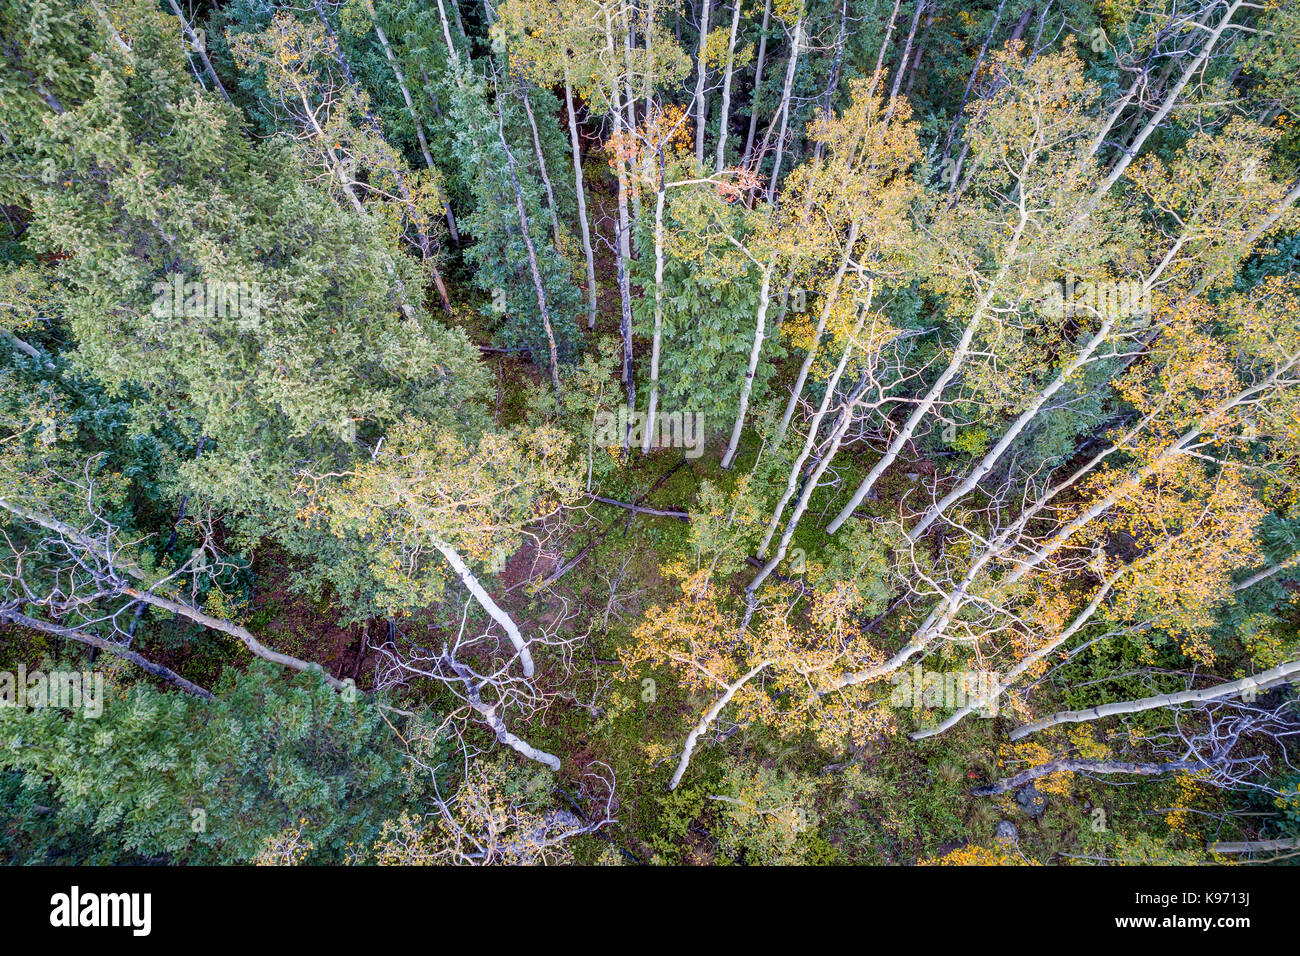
200, 48
829, 299
485, 600
700, 70
764, 299
758, 83
532, 263
582, 203
659, 308
710, 715
1282, 674
814, 426
932, 396
785, 106
726, 90
541, 165
1166, 105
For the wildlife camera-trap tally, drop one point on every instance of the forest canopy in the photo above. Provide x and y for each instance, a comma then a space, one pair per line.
649, 431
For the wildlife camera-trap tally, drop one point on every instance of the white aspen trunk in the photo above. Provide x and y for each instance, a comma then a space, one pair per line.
200, 48
659, 310
345, 183
493, 719
913, 420
541, 165
970, 83
986, 463
726, 90
242, 634
1158, 117
629, 105
764, 299
623, 247
758, 83
932, 396
532, 263
795, 43
700, 70
109, 647
647, 84
831, 297
814, 426
1099, 140
446, 35
415, 117
1027, 662
582, 203
936, 623
1282, 674
884, 48
902, 63
485, 601
841, 427
706, 721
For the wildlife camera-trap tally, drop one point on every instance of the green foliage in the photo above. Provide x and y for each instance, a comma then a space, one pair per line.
187, 780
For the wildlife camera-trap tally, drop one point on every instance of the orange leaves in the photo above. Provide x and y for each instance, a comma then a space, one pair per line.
975, 855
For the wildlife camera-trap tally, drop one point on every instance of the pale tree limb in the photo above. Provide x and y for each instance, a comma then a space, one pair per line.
1084, 766
148, 666
710, 715
485, 600
117, 565
1283, 673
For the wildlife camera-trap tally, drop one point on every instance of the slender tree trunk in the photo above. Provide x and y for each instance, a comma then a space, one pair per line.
700, 75
1131, 151
764, 300
623, 247
814, 426
833, 80
148, 666
976, 474
659, 307
485, 601
1282, 674
1085, 766
793, 64
541, 165
758, 83
200, 48
410, 109
243, 635
1028, 661
936, 390
970, 83
538, 288
580, 191
490, 715
726, 90
831, 296
841, 427
902, 63
706, 721
884, 48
